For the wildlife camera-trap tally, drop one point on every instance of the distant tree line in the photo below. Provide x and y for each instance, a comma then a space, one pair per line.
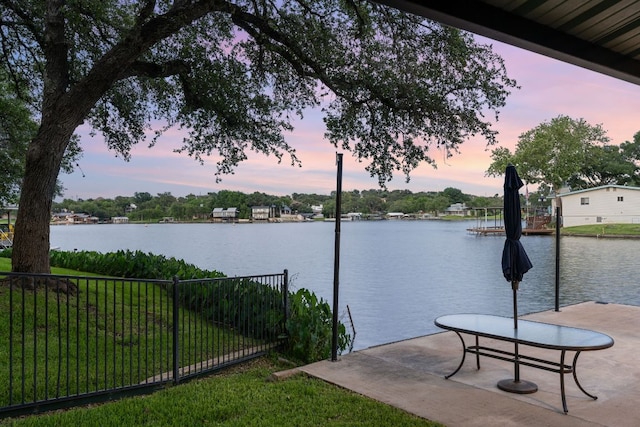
198, 207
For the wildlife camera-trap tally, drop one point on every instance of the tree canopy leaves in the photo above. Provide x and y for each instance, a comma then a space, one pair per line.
232, 76
567, 151
16, 130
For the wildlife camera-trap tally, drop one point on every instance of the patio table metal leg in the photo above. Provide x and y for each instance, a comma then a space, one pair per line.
564, 398
575, 377
464, 354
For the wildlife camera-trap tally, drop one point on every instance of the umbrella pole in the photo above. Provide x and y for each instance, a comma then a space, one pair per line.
514, 286
516, 356
515, 385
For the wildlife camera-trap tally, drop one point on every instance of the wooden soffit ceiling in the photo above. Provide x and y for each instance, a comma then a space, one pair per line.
600, 35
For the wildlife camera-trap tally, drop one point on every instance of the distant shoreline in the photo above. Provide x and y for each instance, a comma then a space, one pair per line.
621, 234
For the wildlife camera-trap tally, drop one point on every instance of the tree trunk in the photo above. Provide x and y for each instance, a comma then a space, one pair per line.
31, 239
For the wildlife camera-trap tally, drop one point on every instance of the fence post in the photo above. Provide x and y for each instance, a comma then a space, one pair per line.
176, 330
285, 295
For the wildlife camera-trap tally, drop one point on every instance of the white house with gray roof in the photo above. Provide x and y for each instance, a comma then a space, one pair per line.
607, 204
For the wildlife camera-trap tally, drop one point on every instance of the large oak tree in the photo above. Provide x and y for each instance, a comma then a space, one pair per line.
232, 75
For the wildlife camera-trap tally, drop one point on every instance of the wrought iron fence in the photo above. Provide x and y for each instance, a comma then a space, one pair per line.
68, 340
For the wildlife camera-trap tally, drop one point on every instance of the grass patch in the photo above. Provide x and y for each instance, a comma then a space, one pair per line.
5, 265
603, 230
240, 396
110, 334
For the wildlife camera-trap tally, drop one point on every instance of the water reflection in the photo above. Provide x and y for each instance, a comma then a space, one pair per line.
601, 269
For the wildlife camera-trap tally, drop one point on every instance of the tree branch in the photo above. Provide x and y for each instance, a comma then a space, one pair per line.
27, 21
172, 68
156, 71
289, 50
286, 48
147, 10
115, 64
55, 50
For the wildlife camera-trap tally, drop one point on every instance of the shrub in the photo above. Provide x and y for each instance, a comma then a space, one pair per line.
310, 328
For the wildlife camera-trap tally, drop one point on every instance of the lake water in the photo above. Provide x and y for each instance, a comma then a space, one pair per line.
395, 276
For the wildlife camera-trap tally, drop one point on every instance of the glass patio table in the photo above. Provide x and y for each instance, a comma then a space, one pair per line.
530, 333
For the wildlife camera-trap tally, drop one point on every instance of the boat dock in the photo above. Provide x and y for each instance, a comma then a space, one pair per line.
489, 222
487, 231
537, 231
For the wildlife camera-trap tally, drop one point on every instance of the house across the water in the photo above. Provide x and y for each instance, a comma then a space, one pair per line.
607, 204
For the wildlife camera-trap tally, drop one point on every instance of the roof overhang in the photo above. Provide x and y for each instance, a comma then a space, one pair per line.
600, 35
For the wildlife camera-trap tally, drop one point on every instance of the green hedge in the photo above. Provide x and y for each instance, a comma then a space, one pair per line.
126, 263
253, 309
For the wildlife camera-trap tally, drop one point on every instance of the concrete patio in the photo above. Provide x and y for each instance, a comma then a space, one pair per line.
410, 375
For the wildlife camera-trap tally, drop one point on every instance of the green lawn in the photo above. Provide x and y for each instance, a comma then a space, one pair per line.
5, 265
603, 230
238, 396
241, 396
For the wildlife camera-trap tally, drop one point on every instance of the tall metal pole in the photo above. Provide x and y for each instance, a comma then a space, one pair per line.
516, 352
336, 262
557, 258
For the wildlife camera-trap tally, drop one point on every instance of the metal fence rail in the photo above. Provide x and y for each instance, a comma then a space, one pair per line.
68, 340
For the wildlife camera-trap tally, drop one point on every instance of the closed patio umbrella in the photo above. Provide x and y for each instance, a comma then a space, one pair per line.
515, 263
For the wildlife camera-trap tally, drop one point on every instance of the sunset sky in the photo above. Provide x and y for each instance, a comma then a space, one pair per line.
548, 88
